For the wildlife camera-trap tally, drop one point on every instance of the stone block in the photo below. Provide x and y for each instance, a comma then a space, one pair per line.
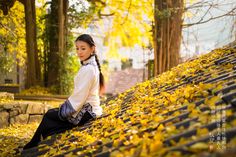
47, 107
35, 118
6, 96
1, 108
4, 119
23, 107
12, 120
8, 106
35, 108
21, 118
14, 113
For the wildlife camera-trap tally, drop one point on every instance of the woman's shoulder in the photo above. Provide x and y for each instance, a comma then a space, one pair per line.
88, 69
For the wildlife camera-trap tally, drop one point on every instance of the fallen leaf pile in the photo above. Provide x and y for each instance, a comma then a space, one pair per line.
36, 90
15, 136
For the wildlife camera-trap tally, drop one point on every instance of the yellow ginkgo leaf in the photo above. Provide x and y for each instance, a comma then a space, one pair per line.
161, 127
191, 106
199, 146
170, 129
202, 131
212, 101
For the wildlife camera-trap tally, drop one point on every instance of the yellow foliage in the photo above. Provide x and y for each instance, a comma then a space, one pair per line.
14, 136
198, 147
128, 26
211, 102
13, 31
36, 90
202, 131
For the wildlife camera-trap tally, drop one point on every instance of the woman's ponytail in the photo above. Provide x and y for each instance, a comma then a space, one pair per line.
101, 77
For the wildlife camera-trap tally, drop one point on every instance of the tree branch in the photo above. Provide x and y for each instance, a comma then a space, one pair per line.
204, 4
7, 28
100, 1
22, 1
126, 17
230, 13
102, 14
208, 10
197, 5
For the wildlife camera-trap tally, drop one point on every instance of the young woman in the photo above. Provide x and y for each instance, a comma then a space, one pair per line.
84, 103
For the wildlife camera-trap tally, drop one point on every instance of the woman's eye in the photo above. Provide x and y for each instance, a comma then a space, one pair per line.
81, 48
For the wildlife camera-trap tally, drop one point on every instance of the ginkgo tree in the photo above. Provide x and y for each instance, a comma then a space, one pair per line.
151, 23
147, 23
12, 37
128, 22
45, 50
27, 17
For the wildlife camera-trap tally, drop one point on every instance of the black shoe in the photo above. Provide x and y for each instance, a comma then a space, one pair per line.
18, 150
30, 145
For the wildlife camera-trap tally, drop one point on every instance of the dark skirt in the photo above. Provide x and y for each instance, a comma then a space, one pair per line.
52, 124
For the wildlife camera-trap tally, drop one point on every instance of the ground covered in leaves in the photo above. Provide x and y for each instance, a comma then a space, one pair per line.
14, 136
188, 111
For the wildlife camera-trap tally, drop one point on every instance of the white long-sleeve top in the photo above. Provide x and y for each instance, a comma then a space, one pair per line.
86, 87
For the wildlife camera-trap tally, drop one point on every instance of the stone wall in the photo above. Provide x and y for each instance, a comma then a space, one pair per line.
21, 112
6, 96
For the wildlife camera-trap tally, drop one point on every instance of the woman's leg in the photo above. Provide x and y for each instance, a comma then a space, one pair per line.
52, 124
48, 125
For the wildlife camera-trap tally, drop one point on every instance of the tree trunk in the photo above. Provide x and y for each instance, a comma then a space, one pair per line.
167, 34
46, 52
33, 67
53, 56
62, 28
57, 41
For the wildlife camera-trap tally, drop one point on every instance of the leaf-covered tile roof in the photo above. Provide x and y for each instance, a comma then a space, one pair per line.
187, 110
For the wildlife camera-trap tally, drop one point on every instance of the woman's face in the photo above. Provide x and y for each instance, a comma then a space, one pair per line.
83, 50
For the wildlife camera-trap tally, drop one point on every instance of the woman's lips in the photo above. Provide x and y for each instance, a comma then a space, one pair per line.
81, 58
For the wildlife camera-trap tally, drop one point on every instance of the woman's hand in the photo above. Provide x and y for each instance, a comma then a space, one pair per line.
65, 110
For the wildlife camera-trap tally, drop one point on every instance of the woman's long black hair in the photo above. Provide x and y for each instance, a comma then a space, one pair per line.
89, 40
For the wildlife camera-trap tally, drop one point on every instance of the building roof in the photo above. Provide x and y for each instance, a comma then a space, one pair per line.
120, 81
188, 110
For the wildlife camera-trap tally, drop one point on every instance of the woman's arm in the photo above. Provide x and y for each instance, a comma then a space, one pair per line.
66, 110
82, 86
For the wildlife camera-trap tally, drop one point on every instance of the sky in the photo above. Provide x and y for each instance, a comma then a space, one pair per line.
205, 37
